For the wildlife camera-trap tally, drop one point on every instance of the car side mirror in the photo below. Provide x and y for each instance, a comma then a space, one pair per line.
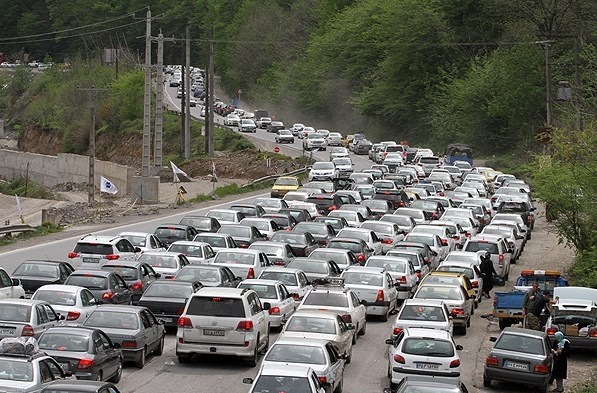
16, 282
68, 373
364, 302
459, 347
238, 278
493, 339
388, 390
248, 380
60, 318
158, 275
434, 253
351, 326
137, 249
389, 341
116, 345
267, 305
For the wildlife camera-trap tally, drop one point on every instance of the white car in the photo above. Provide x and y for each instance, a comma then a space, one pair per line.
422, 313
416, 258
367, 235
354, 219
314, 140
226, 216
266, 226
270, 205
232, 120
321, 355
196, 252
243, 262
471, 270
443, 232
10, 288
432, 240
423, 351
374, 287
514, 240
217, 241
296, 128
323, 170
145, 241
299, 196
72, 302
464, 256
282, 305
295, 280
281, 377
263, 122
344, 166
388, 232
401, 270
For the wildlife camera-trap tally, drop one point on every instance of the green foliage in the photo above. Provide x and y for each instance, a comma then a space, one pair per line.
24, 188
42, 230
583, 272
228, 140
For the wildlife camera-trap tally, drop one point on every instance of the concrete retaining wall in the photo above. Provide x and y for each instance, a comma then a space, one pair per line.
52, 170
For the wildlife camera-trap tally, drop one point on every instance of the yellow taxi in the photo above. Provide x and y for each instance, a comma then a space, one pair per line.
453, 278
284, 184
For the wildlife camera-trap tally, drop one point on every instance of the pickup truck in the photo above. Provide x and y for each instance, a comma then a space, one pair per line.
575, 315
507, 306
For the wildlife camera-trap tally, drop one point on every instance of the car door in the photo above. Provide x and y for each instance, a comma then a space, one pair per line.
359, 312
41, 320
287, 301
390, 289
336, 366
105, 354
122, 290
50, 371
228, 278
64, 273
155, 328
209, 253
145, 336
345, 333
259, 316
126, 250
6, 288
88, 302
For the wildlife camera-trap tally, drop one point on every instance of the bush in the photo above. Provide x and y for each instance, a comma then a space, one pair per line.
583, 273
227, 140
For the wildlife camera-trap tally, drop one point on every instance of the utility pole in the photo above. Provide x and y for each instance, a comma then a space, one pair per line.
186, 92
159, 90
91, 181
578, 90
548, 107
145, 161
183, 107
209, 137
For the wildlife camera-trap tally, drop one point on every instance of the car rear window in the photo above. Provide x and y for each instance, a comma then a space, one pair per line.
391, 266
199, 223
311, 324
63, 342
88, 281
165, 289
326, 299
234, 258
439, 292
264, 291
309, 266
113, 320
60, 298
189, 250
422, 313
126, 272
171, 232
214, 241
358, 278
286, 278
216, 307
23, 371
165, 261
37, 270
354, 247
93, 248
203, 275
458, 269
14, 313
394, 149
429, 160
428, 347
473, 246
512, 342
293, 353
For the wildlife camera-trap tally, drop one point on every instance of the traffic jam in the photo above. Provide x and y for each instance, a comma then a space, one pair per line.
288, 283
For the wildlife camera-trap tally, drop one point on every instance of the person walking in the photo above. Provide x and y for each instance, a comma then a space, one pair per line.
487, 271
560, 350
532, 306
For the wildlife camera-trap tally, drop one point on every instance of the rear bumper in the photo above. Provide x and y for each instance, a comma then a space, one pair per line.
132, 355
215, 349
399, 373
377, 308
527, 378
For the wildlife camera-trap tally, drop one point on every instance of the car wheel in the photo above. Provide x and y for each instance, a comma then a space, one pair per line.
340, 386
116, 378
463, 330
504, 323
486, 382
252, 361
363, 329
473, 308
140, 363
386, 316
349, 356
266, 346
389, 371
160, 348
99, 376
468, 322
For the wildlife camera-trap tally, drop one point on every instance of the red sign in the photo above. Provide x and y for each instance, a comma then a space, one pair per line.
276, 149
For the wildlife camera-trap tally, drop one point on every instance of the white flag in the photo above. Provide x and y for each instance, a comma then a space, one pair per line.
19, 205
177, 170
213, 170
108, 186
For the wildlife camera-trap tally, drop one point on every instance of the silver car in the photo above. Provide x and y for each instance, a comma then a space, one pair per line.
26, 317
455, 297
29, 374
71, 302
427, 313
374, 287
282, 304
195, 252
166, 263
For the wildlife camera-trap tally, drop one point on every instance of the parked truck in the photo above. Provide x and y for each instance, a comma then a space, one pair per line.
507, 306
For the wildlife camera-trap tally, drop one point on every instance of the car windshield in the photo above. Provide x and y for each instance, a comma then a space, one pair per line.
309, 266
323, 165
58, 298
284, 181
354, 247
264, 291
311, 325
473, 246
422, 313
203, 275
113, 320
162, 261
37, 270
326, 299
391, 266
63, 342
428, 347
126, 272
216, 307
17, 370
171, 232
342, 161
239, 231
270, 384
286, 278
290, 238
360, 278
186, 249
88, 281
168, 290
524, 344
235, 258
293, 353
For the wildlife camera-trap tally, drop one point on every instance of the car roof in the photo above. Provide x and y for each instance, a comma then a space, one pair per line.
220, 291
428, 332
286, 370
79, 385
365, 269
486, 236
420, 302
103, 273
71, 329
165, 253
24, 302
98, 238
46, 262
260, 281
306, 312
240, 250
124, 263
282, 269
523, 332
300, 341
61, 287
118, 308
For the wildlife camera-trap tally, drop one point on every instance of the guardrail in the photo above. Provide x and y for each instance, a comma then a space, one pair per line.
272, 177
9, 230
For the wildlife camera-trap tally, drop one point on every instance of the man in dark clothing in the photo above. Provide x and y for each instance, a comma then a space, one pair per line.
532, 306
487, 271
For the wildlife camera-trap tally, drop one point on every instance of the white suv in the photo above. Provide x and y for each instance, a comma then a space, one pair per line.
323, 170
93, 251
10, 288
223, 321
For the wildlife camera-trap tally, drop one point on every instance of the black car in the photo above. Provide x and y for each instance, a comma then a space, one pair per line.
299, 215
275, 126
325, 202
201, 223
302, 243
422, 248
33, 274
315, 268
322, 232
107, 287
346, 198
524, 209
379, 207
432, 208
209, 275
77, 386
243, 235
397, 197
87, 353
169, 233
248, 210
137, 275
167, 298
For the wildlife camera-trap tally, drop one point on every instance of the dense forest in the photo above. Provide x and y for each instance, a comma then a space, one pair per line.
430, 72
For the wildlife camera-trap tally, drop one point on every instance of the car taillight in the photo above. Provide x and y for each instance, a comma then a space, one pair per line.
401, 280
399, 359
418, 272
501, 257
137, 285
455, 363
108, 295
72, 255
434, 215
180, 311
541, 369
323, 243
361, 257
444, 242
468, 234
401, 204
129, 344
550, 331
246, 326
322, 379
396, 331
27, 331
296, 296
242, 245
475, 284
492, 361
593, 332
332, 208
185, 322
346, 318
251, 273
274, 311
386, 241
84, 364
457, 311
112, 257
380, 296
73, 315
529, 219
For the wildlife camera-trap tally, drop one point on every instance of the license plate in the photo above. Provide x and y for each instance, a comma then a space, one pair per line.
65, 366
91, 260
165, 319
212, 332
427, 366
516, 366
7, 330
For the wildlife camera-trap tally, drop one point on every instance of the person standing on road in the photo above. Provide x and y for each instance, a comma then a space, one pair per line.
560, 350
532, 306
487, 271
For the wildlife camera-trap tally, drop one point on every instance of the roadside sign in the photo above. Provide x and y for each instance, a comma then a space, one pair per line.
276, 149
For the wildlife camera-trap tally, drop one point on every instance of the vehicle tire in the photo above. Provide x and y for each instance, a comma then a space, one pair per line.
340, 386
486, 382
468, 322
363, 329
182, 359
116, 377
504, 323
99, 376
160, 348
354, 338
252, 361
543, 389
386, 316
473, 308
266, 346
349, 356
476, 304
389, 371
463, 330
141, 362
